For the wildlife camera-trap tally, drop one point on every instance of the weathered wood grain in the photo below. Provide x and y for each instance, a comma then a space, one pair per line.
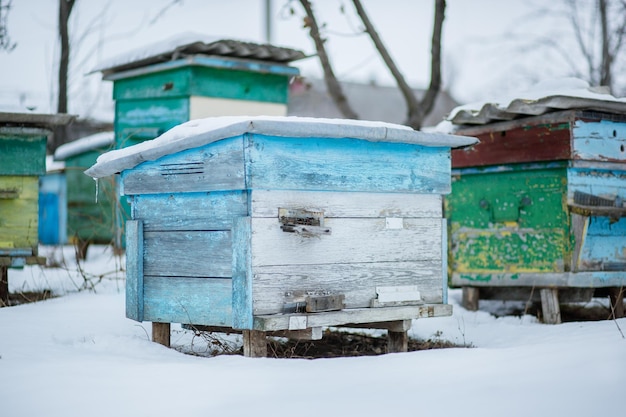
19, 213
188, 300
190, 211
581, 279
161, 333
218, 166
243, 278
265, 203
273, 285
603, 140
550, 308
254, 344
188, 254
351, 241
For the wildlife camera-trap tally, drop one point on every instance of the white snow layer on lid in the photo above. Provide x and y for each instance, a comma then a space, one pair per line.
84, 144
546, 96
196, 133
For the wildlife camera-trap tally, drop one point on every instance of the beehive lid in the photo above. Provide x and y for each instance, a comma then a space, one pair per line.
84, 144
201, 132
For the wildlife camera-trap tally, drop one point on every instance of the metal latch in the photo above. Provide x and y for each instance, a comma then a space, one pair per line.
304, 222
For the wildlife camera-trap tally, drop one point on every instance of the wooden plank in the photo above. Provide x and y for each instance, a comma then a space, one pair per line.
603, 140
470, 298
265, 203
351, 241
161, 333
345, 165
188, 254
273, 285
502, 144
550, 308
23, 151
242, 305
201, 107
397, 342
19, 217
394, 326
4, 286
188, 300
361, 315
134, 270
604, 245
254, 344
616, 296
190, 211
579, 231
217, 166
581, 279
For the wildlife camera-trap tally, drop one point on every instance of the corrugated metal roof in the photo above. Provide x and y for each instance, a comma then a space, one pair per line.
566, 94
194, 44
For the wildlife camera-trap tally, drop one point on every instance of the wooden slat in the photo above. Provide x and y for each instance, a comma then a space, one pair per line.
218, 166
19, 215
345, 165
351, 241
188, 300
603, 140
266, 203
357, 281
188, 254
134, 270
582, 279
190, 211
242, 273
362, 315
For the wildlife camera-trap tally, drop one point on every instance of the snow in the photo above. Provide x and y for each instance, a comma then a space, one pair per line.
77, 355
87, 143
201, 132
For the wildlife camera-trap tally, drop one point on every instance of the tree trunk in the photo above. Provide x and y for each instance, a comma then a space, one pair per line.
65, 9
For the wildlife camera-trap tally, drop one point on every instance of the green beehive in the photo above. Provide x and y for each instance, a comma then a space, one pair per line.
192, 77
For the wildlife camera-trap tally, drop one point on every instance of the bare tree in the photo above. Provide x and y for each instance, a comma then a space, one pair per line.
65, 10
417, 109
5, 41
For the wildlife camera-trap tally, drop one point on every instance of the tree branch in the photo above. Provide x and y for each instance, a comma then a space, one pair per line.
333, 86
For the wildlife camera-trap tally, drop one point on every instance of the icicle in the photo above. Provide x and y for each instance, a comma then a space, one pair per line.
97, 183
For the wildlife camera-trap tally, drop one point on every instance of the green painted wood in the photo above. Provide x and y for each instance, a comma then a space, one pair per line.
134, 270
513, 221
22, 151
204, 81
242, 306
19, 212
188, 300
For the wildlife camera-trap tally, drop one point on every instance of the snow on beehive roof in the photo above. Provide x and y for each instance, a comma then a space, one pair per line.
544, 97
87, 143
201, 132
190, 43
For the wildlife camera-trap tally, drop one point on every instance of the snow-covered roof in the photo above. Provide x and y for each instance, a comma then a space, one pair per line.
545, 97
53, 166
191, 43
87, 143
200, 132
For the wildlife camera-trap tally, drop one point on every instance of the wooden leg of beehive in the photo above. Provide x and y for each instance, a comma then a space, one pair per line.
254, 344
4, 286
470, 298
617, 302
161, 333
550, 305
397, 341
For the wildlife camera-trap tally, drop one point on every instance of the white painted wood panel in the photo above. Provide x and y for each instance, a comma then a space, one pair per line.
351, 241
340, 204
201, 107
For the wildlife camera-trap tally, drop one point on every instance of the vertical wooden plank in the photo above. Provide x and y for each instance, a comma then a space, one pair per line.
397, 342
470, 298
550, 305
616, 295
254, 344
444, 261
580, 225
134, 270
4, 286
161, 333
242, 273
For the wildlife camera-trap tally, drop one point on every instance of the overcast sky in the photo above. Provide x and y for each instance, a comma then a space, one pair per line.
479, 60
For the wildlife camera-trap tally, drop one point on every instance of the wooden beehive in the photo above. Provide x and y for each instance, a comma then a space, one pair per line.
285, 224
538, 208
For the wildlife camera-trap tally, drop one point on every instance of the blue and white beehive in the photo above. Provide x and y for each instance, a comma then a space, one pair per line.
269, 224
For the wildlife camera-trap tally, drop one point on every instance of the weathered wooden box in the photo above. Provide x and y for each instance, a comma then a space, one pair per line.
539, 204
275, 224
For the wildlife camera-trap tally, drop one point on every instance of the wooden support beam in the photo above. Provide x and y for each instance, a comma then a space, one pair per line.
161, 333
616, 295
470, 298
550, 305
254, 344
397, 342
4, 286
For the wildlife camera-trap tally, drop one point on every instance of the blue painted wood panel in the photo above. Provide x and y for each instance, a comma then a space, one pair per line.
242, 273
188, 300
603, 140
134, 270
605, 244
190, 211
609, 183
333, 164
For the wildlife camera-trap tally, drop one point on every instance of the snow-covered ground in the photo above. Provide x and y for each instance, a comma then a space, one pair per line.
77, 355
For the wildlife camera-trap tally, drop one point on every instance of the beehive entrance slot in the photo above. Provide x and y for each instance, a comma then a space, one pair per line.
305, 222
